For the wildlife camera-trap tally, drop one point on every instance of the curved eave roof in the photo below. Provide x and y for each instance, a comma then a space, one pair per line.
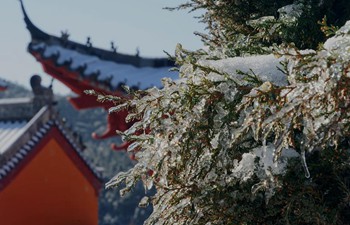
91, 68
39, 36
107, 69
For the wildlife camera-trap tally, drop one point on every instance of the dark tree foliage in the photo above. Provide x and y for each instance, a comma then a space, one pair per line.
192, 161
227, 19
325, 198
307, 32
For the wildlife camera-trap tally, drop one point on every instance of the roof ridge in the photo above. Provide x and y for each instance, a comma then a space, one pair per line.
32, 133
39, 36
25, 135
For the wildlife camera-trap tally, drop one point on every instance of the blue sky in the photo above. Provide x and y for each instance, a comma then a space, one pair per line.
130, 24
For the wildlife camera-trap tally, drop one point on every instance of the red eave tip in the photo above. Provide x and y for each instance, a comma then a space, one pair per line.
3, 88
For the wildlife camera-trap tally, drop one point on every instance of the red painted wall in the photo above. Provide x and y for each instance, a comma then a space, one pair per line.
49, 190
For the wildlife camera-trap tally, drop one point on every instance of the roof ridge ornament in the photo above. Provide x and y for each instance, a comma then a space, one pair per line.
137, 52
64, 35
113, 47
42, 95
88, 42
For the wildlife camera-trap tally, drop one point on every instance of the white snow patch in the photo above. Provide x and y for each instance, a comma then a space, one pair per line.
9, 133
266, 155
291, 11
38, 46
341, 38
335, 42
116, 73
265, 66
245, 168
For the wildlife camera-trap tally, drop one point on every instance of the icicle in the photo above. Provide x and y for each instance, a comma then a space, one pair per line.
264, 148
303, 161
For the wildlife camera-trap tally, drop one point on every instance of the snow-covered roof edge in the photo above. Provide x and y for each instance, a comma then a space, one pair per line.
39, 36
32, 134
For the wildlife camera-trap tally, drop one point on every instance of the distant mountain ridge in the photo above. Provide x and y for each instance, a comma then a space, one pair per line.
15, 91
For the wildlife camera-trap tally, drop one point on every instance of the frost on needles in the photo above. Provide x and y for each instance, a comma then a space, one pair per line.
252, 139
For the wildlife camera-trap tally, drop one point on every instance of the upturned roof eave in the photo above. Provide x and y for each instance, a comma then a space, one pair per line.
35, 32
38, 36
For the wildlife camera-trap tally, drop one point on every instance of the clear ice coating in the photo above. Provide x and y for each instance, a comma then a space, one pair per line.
303, 161
204, 137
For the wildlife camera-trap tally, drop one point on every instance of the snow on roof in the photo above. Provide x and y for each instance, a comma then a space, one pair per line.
10, 131
115, 73
19, 137
265, 66
15, 101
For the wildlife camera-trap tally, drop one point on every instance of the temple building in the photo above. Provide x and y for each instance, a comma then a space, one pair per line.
83, 67
3, 85
44, 177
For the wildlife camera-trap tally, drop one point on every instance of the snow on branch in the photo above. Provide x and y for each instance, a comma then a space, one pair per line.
232, 123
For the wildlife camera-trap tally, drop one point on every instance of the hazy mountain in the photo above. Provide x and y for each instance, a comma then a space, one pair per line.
15, 91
